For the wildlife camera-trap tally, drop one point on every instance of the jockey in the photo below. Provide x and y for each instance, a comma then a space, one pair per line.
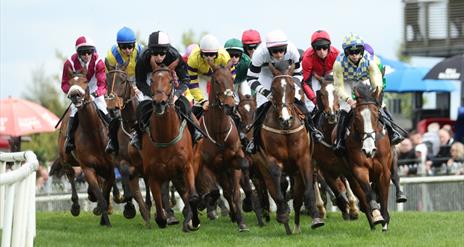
250, 40
276, 49
354, 64
85, 59
210, 51
124, 55
160, 49
317, 62
241, 62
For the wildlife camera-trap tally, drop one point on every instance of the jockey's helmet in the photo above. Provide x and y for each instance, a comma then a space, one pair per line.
276, 38
233, 44
84, 43
251, 37
158, 40
209, 44
320, 38
125, 35
352, 42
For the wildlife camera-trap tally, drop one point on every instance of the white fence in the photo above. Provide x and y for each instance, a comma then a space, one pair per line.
17, 198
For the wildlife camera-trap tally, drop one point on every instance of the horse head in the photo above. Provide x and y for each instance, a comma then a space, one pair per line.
118, 82
79, 90
162, 88
283, 92
366, 117
222, 88
328, 101
246, 109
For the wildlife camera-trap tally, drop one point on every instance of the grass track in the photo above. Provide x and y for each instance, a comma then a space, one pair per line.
406, 229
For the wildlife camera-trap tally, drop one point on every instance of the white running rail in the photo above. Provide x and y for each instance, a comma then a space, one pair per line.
17, 198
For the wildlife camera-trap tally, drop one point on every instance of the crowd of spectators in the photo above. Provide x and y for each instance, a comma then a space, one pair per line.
434, 152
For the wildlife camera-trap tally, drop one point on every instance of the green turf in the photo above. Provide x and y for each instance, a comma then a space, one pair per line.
406, 229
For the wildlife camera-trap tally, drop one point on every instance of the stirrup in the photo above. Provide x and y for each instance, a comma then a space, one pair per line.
251, 148
135, 140
110, 147
197, 136
318, 136
396, 138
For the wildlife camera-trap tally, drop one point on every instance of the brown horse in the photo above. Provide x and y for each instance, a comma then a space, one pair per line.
331, 166
171, 143
221, 151
90, 141
369, 155
122, 102
287, 148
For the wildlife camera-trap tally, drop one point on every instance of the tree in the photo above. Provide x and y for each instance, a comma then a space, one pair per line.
189, 37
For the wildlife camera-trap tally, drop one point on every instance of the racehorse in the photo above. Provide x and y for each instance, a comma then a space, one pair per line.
286, 147
330, 165
369, 155
122, 102
221, 152
167, 149
90, 141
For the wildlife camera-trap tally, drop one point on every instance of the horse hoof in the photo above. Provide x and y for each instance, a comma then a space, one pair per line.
377, 217
129, 211
243, 228
161, 222
354, 216
212, 215
385, 227
282, 218
297, 229
401, 198
191, 227
172, 220
119, 199
91, 196
75, 210
287, 229
247, 205
317, 222
97, 211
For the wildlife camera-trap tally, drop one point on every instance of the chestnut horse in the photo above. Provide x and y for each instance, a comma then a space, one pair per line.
90, 141
122, 101
221, 152
286, 147
330, 165
167, 149
369, 155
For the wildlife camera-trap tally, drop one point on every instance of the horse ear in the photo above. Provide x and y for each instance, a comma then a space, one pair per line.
153, 64
229, 64
291, 69
173, 65
274, 71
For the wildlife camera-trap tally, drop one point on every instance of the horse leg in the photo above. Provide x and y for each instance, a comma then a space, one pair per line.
298, 193
171, 218
192, 195
352, 202
75, 207
108, 184
247, 204
400, 196
135, 188
94, 187
362, 197
160, 217
307, 173
362, 176
148, 201
319, 202
257, 198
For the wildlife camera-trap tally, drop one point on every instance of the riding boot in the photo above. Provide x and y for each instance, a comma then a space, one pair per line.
136, 137
253, 145
113, 126
309, 124
183, 105
393, 134
196, 134
243, 138
72, 126
339, 146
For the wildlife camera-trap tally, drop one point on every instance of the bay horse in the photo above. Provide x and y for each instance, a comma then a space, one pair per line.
167, 152
287, 147
221, 152
90, 141
122, 102
330, 165
369, 155
246, 109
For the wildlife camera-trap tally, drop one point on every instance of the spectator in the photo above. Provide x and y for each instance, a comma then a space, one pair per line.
41, 177
443, 154
456, 163
420, 148
407, 159
432, 139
